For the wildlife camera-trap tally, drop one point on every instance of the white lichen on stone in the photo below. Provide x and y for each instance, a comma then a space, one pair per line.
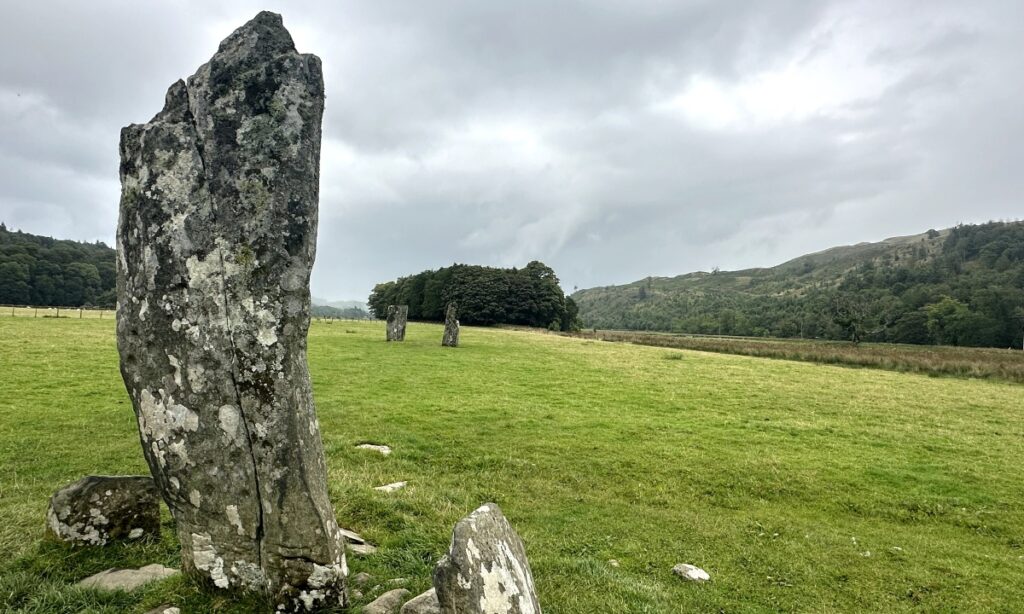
234, 519
205, 558
231, 424
194, 497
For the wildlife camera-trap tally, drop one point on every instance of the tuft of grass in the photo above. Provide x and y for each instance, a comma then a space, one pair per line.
797, 486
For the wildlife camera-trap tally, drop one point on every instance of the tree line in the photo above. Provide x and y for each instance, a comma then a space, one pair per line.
965, 288
37, 270
530, 296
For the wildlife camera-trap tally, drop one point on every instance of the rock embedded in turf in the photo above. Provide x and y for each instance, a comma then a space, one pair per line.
127, 579
451, 327
361, 578
485, 570
691, 573
164, 609
388, 603
398, 315
384, 450
215, 243
99, 508
425, 603
391, 487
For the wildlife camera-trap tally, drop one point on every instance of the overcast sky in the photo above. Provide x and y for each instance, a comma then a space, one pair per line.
611, 140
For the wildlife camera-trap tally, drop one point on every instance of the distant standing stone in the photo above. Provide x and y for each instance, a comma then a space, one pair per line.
398, 315
691, 573
388, 603
485, 570
127, 579
425, 603
98, 508
451, 327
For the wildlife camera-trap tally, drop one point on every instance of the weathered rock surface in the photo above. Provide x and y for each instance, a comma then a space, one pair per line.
425, 603
361, 578
127, 579
398, 315
391, 487
216, 240
100, 508
451, 327
384, 450
388, 603
691, 573
485, 570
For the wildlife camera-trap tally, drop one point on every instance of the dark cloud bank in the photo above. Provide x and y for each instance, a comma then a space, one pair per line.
612, 140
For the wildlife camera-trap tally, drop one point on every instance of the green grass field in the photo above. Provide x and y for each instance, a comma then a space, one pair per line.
799, 487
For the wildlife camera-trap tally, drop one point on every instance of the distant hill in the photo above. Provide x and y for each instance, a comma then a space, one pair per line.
959, 286
340, 304
38, 270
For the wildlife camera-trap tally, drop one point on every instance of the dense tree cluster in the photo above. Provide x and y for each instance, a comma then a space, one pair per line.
963, 286
41, 271
530, 296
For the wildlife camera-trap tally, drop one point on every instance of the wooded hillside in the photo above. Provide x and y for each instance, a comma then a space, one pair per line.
960, 286
37, 270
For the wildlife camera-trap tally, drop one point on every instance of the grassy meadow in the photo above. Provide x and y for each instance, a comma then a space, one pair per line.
799, 487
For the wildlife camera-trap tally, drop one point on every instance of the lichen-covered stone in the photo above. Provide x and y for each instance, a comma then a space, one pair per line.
451, 327
216, 239
485, 570
101, 508
398, 315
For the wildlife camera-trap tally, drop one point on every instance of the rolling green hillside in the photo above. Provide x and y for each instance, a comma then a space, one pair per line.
960, 286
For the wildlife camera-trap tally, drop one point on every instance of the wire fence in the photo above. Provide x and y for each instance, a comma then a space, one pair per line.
103, 313
31, 311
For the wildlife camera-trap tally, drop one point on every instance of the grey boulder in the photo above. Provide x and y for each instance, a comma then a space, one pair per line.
485, 570
425, 603
388, 603
127, 579
99, 508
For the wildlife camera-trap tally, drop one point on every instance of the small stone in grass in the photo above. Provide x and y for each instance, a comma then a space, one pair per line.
391, 487
691, 573
384, 450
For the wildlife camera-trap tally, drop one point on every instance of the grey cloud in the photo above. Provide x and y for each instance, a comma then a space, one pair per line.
498, 133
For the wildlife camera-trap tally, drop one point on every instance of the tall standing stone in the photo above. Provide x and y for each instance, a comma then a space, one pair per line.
216, 239
451, 327
398, 315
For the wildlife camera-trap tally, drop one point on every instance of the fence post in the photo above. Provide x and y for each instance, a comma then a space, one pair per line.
79, 313
35, 312
58, 312
12, 311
